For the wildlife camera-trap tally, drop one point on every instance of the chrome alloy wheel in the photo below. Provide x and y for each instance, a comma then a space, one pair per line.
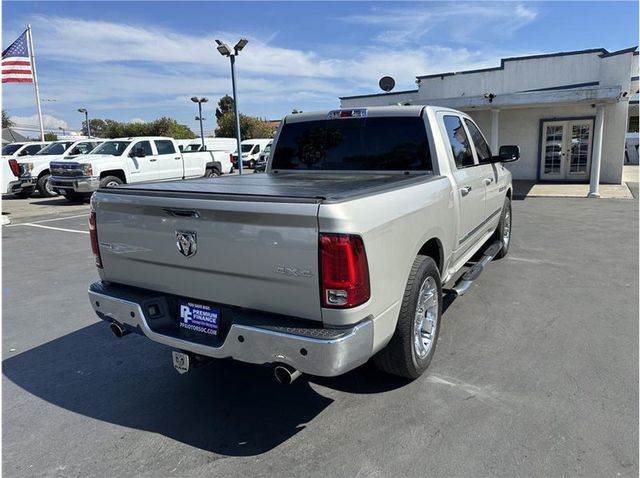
112, 184
49, 187
426, 318
506, 229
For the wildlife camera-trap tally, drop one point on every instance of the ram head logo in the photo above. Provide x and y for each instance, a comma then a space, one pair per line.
187, 243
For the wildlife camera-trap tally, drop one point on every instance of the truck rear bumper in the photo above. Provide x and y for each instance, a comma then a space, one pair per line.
82, 184
309, 348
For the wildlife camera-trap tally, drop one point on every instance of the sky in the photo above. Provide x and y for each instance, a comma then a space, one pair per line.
138, 61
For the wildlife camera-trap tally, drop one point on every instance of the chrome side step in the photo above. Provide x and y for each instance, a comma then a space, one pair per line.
469, 277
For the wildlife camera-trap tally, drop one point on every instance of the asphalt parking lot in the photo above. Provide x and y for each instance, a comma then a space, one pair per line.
536, 373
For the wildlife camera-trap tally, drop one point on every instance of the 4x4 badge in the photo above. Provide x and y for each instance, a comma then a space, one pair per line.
187, 243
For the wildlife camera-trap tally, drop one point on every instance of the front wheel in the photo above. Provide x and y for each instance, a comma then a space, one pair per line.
44, 186
252, 164
410, 350
503, 231
110, 182
75, 197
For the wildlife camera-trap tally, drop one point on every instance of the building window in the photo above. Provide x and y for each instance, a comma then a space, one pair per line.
633, 124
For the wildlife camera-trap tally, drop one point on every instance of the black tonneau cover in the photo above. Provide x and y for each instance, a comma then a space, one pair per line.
309, 186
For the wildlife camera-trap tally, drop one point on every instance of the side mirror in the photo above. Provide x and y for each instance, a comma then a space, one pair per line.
507, 154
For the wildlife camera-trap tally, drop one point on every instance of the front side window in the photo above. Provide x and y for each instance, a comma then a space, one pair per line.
459, 142
83, 148
144, 146
482, 148
355, 144
165, 147
246, 148
31, 149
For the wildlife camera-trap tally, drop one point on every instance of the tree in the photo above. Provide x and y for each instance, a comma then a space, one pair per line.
250, 127
106, 128
6, 122
225, 105
50, 137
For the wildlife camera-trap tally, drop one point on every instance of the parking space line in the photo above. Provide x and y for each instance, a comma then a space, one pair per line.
57, 219
51, 227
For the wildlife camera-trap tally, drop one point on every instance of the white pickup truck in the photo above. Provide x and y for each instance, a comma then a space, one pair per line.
339, 253
34, 169
133, 160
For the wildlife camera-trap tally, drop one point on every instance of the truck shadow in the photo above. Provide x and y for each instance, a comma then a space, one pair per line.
226, 407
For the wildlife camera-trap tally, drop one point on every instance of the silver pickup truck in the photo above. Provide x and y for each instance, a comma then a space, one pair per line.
339, 253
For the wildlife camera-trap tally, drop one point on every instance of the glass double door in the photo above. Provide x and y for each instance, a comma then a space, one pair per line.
566, 150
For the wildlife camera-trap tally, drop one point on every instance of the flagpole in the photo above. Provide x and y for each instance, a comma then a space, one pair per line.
35, 80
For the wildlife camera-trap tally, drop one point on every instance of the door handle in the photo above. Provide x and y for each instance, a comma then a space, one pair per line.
465, 190
152, 160
488, 181
178, 157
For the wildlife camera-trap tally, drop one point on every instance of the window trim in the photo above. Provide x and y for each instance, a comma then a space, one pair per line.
477, 158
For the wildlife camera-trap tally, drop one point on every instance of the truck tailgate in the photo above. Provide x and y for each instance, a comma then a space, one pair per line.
256, 253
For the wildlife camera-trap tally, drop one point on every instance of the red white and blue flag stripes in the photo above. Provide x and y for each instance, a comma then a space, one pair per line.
16, 62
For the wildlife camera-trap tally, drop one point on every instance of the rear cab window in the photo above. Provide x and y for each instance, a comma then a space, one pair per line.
395, 143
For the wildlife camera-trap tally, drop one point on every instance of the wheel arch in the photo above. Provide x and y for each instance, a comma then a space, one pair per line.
433, 248
119, 173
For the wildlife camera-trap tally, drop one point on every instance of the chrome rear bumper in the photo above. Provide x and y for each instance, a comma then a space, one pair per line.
315, 351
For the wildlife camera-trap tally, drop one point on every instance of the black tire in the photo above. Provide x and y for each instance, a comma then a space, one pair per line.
110, 181
400, 356
25, 193
500, 234
212, 173
75, 197
44, 186
252, 164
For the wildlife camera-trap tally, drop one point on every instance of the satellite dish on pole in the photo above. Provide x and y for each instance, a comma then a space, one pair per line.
386, 83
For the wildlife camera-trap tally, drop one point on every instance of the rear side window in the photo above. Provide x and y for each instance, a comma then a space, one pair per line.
145, 146
165, 147
459, 142
357, 144
482, 148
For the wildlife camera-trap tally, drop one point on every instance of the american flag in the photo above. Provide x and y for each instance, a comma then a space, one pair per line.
16, 62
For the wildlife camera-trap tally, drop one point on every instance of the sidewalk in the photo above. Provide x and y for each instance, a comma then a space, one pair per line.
627, 190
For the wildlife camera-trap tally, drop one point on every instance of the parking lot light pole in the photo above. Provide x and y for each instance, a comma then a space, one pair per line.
200, 100
86, 119
225, 50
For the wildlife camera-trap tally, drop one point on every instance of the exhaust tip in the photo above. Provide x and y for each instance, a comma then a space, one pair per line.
285, 374
118, 330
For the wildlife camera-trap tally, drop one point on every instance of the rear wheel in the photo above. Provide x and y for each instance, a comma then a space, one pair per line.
212, 173
110, 182
44, 186
503, 231
410, 350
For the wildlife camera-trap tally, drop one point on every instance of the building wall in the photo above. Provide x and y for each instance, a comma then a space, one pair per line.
522, 127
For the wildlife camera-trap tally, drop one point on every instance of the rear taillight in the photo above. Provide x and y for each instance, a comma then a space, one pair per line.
15, 167
344, 269
93, 235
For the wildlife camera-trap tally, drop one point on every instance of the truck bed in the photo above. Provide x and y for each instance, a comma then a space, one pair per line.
311, 187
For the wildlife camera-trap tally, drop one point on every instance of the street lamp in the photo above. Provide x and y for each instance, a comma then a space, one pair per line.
62, 129
86, 118
225, 50
200, 100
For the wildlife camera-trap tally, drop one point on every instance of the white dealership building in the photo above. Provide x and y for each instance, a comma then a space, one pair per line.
568, 112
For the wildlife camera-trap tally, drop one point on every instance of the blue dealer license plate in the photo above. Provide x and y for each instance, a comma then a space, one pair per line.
199, 317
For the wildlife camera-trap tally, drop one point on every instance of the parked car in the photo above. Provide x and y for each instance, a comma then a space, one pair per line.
345, 243
251, 149
10, 173
34, 170
229, 145
133, 160
15, 150
261, 164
